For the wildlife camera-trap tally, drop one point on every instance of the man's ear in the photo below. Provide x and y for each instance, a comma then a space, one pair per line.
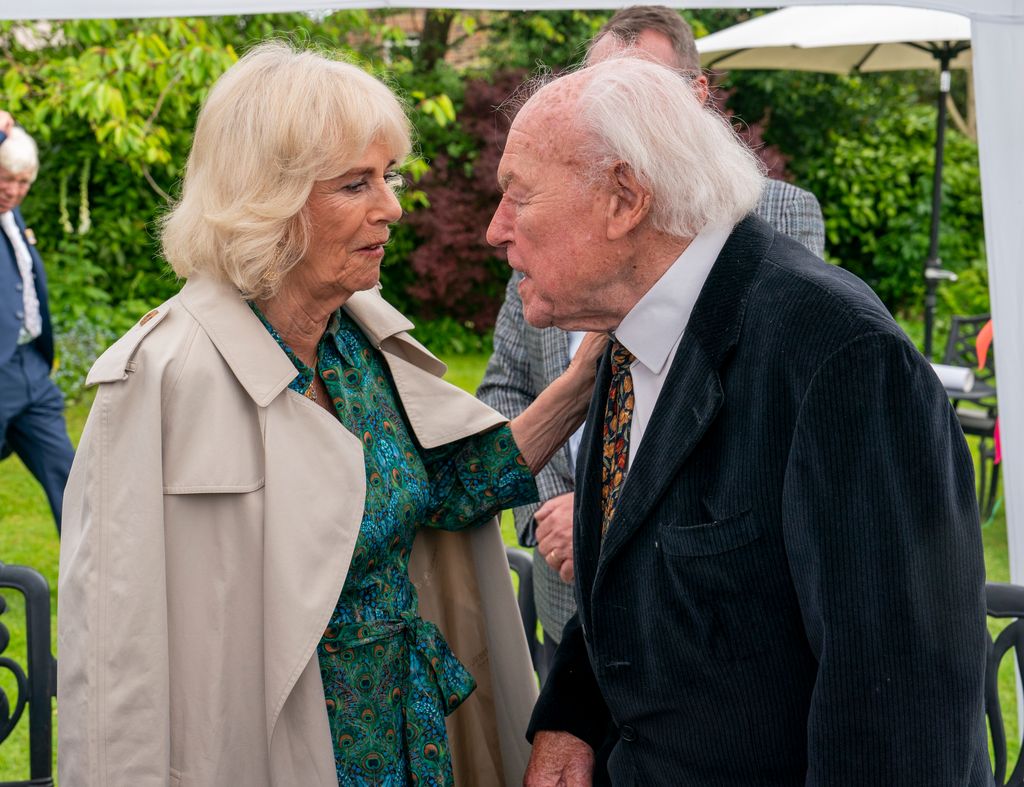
629, 203
701, 88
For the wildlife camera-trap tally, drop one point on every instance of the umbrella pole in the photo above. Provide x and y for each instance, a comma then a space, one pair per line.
933, 272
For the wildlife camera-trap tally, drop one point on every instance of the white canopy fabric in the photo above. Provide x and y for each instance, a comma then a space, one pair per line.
998, 11
837, 39
997, 35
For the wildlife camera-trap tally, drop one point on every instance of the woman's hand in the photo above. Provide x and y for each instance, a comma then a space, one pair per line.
584, 362
543, 427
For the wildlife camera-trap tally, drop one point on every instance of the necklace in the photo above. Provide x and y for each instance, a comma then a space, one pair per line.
311, 391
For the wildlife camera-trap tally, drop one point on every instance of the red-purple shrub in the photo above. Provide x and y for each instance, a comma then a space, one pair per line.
457, 273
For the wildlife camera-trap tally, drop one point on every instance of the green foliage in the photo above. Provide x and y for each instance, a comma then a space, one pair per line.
447, 336
554, 39
113, 105
969, 295
79, 343
865, 146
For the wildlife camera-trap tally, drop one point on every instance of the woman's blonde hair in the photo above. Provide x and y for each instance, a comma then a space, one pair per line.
274, 123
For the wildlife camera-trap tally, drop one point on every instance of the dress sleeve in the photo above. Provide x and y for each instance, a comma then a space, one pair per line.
474, 479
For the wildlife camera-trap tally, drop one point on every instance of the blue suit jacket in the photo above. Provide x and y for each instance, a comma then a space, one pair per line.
11, 303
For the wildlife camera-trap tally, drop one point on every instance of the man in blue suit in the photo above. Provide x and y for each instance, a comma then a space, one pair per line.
31, 406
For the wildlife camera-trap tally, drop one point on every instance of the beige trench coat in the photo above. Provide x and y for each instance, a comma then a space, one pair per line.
208, 526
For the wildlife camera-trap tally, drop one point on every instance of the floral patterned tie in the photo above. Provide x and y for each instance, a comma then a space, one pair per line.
618, 414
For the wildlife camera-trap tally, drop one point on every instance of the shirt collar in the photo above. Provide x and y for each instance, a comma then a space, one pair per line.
654, 325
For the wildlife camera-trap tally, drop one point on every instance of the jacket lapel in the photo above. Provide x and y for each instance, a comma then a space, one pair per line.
678, 423
691, 396
586, 536
313, 509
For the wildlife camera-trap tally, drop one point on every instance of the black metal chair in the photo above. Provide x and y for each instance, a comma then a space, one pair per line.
37, 686
521, 562
978, 418
1003, 601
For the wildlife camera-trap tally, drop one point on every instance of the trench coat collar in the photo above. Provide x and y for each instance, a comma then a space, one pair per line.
264, 371
247, 347
253, 355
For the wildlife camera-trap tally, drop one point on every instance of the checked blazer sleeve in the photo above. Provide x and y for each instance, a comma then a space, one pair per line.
794, 212
514, 378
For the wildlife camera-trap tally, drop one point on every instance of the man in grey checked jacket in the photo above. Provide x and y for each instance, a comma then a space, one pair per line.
527, 359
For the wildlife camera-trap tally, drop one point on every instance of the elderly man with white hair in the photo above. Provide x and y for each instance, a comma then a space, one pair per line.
31, 406
778, 562
527, 359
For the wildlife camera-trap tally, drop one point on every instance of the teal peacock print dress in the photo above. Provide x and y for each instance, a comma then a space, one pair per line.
389, 677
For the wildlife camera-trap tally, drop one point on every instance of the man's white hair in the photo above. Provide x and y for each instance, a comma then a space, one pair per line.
18, 153
699, 172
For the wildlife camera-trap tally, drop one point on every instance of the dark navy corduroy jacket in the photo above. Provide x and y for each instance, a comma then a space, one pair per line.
791, 591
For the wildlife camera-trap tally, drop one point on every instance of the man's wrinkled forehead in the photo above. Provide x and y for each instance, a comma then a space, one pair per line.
546, 125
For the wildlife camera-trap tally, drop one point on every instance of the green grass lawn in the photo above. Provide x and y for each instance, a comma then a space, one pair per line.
28, 537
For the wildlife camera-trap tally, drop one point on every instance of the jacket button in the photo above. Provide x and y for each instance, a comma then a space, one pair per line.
628, 734
20, 314
19, 286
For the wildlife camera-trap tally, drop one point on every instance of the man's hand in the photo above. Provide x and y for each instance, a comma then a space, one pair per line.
559, 760
6, 122
554, 534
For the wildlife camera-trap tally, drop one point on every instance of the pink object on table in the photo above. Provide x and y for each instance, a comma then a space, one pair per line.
982, 344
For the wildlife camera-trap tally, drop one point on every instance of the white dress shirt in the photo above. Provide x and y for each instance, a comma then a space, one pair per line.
575, 340
32, 321
654, 327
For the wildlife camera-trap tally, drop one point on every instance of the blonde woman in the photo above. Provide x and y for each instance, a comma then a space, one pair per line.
266, 453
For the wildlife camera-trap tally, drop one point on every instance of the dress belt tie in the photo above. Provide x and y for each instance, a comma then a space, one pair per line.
453, 681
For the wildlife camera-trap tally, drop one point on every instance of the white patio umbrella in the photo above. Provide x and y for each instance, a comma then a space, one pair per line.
841, 39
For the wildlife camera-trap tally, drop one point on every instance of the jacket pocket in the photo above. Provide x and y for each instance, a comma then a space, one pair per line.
711, 538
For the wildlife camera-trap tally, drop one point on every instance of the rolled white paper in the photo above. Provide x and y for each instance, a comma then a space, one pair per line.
954, 378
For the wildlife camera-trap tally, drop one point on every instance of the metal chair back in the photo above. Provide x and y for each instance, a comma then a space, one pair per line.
36, 686
521, 563
978, 420
1003, 601
962, 350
